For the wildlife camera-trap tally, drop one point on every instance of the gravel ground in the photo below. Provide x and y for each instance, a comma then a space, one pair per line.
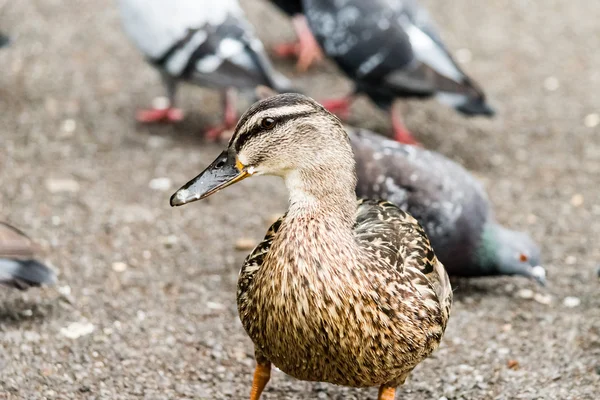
146, 302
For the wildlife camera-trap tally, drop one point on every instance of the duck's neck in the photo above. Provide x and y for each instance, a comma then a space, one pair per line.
322, 194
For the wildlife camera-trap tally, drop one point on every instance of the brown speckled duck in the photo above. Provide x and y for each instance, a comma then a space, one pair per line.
339, 291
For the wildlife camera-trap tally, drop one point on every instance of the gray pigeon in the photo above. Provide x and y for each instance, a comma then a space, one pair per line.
205, 43
391, 49
449, 202
4, 40
18, 268
306, 49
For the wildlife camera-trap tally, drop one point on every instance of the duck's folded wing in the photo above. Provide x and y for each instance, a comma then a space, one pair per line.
398, 239
255, 259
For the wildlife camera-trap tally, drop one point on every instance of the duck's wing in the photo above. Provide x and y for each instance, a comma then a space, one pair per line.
18, 269
255, 259
446, 199
209, 43
397, 239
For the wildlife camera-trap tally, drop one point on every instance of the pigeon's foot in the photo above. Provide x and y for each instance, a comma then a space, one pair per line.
339, 107
230, 118
306, 49
168, 115
401, 132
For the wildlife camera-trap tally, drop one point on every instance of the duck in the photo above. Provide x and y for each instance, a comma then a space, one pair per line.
18, 267
341, 290
450, 204
208, 44
305, 49
391, 49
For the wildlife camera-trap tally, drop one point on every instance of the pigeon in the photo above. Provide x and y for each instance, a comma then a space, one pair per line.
4, 40
391, 49
208, 44
18, 268
450, 204
305, 49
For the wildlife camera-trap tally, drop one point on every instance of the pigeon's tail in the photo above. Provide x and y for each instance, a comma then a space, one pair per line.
23, 274
465, 97
476, 106
4, 40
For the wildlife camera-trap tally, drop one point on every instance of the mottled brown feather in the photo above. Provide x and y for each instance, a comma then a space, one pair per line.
368, 326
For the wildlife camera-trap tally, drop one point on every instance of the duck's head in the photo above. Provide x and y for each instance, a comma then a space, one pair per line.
288, 135
509, 252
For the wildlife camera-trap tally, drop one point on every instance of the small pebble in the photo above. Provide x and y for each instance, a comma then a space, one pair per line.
77, 330
531, 219
245, 244
513, 364
592, 120
161, 103
542, 298
141, 315
551, 83
169, 241
156, 142
525, 294
68, 126
161, 184
119, 266
571, 260
62, 185
571, 301
577, 200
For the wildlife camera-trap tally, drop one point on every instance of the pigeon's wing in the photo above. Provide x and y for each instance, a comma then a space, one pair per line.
209, 43
362, 37
18, 269
448, 201
4, 40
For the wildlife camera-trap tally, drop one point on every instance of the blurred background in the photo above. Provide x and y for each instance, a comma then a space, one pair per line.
145, 303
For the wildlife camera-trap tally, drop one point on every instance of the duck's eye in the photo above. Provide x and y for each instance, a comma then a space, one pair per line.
523, 257
268, 123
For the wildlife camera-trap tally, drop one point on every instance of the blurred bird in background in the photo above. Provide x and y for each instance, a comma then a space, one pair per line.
449, 203
305, 49
4, 40
391, 49
18, 267
210, 44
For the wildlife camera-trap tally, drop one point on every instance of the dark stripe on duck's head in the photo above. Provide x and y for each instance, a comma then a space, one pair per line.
280, 109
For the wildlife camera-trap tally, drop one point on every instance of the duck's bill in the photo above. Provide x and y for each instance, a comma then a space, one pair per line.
223, 172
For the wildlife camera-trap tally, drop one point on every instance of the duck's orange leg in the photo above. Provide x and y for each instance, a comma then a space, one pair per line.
262, 374
386, 393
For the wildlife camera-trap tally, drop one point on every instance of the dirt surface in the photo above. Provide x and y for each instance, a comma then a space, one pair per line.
157, 284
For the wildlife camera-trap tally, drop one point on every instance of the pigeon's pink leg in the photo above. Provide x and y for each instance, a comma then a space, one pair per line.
230, 117
306, 49
168, 115
339, 107
401, 132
